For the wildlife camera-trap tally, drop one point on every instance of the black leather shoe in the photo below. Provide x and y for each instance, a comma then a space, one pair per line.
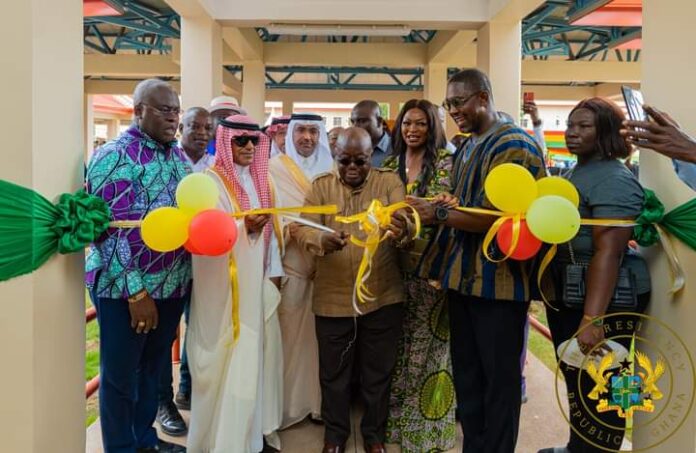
183, 401
554, 450
170, 420
163, 447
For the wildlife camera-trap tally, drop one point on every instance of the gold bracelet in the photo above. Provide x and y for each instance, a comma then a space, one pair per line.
138, 297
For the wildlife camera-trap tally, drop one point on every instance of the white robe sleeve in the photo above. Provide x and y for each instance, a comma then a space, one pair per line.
275, 263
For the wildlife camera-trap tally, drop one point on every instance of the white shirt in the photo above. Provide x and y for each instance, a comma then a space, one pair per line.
310, 165
203, 163
275, 263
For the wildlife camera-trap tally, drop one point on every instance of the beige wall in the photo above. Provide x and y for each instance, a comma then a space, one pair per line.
668, 78
42, 320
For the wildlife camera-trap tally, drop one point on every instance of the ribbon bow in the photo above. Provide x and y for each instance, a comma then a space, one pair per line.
373, 222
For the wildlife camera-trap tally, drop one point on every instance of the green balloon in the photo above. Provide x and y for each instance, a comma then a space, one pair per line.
553, 219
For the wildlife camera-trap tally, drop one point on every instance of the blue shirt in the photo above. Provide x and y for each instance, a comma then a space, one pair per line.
381, 151
686, 172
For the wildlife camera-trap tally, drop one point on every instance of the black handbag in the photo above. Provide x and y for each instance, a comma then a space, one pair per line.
625, 298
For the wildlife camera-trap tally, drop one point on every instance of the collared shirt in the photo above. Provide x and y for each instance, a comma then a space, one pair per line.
135, 174
205, 162
686, 172
381, 151
275, 263
455, 257
336, 272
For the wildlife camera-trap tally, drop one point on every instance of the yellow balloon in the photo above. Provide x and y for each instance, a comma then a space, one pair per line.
511, 188
165, 229
197, 192
553, 219
555, 185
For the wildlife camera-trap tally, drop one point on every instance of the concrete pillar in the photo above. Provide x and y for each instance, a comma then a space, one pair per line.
668, 35
435, 90
112, 128
288, 106
42, 323
498, 55
435, 83
88, 125
254, 89
394, 109
201, 60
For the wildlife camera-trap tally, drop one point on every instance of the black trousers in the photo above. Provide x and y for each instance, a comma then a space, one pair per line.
589, 428
374, 337
487, 337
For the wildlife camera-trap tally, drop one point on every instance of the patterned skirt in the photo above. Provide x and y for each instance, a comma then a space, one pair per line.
422, 401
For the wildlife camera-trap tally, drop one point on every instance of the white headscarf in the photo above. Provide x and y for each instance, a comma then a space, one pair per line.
320, 161
271, 130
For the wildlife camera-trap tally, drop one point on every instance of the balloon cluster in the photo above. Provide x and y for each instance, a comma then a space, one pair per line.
547, 209
194, 224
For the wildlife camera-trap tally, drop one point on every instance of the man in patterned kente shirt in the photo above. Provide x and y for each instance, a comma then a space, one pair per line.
139, 293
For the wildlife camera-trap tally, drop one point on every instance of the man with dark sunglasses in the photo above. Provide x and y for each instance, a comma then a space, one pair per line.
347, 339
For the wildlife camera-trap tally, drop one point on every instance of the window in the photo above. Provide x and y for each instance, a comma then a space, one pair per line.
337, 121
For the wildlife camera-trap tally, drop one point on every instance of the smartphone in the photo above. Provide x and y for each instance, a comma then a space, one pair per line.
634, 104
528, 97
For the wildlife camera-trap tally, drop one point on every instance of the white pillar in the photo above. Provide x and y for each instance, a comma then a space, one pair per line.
667, 83
201, 60
112, 128
435, 83
42, 324
498, 55
288, 105
435, 90
88, 127
394, 109
254, 89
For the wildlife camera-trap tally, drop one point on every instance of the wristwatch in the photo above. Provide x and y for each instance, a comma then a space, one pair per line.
441, 214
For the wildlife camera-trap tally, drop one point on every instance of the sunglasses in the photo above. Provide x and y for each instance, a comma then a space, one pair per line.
346, 161
243, 140
457, 102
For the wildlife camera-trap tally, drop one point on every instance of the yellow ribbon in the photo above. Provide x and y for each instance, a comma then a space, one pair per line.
328, 209
235, 299
545, 263
372, 222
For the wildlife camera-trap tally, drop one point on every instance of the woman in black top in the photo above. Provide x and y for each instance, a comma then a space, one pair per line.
608, 190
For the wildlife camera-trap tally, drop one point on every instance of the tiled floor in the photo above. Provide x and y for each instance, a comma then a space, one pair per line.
541, 424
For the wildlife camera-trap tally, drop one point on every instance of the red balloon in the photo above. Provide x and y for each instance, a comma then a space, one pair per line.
527, 244
188, 246
212, 233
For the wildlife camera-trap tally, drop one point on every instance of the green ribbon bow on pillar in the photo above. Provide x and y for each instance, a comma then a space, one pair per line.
32, 229
680, 223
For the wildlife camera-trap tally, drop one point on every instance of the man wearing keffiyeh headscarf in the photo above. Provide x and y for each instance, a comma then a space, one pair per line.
307, 156
237, 385
277, 131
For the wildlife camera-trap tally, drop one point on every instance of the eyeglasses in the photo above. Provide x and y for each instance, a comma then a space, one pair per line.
166, 110
346, 161
243, 140
458, 102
